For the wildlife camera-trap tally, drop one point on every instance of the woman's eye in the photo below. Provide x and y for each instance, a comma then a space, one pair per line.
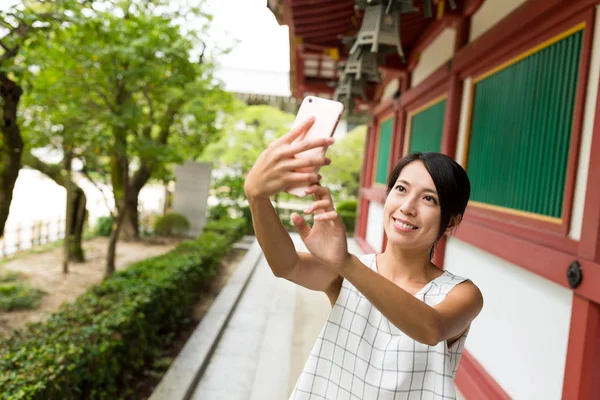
430, 199
400, 188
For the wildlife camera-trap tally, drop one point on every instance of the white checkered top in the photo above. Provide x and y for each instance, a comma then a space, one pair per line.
361, 355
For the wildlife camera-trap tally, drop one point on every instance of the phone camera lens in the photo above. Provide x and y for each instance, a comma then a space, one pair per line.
310, 100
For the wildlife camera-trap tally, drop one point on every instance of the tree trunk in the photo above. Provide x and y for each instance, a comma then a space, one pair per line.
130, 232
11, 146
79, 216
79, 200
68, 161
112, 245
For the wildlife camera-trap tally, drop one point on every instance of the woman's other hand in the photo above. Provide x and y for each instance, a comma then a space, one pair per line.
275, 169
327, 239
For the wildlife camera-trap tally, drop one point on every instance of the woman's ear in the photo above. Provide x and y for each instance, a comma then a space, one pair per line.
454, 221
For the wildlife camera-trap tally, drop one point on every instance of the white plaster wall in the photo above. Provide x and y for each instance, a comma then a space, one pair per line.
489, 14
586, 136
375, 226
434, 56
521, 335
390, 89
463, 124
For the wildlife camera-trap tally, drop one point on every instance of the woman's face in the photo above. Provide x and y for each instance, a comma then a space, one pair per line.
412, 210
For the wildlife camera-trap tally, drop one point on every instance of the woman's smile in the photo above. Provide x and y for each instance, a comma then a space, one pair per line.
403, 225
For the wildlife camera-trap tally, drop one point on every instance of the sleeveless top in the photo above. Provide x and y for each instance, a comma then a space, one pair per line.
360, 355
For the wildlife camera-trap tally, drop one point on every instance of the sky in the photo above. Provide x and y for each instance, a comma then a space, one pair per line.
262, 44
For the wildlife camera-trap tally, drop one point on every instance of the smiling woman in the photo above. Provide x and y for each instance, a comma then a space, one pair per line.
398, 323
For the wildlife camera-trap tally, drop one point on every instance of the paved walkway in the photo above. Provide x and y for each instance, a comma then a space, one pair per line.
266, 341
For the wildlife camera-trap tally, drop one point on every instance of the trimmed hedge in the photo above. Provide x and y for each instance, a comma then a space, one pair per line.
232, 229
92, 347
349, 219
171, 224
347, 206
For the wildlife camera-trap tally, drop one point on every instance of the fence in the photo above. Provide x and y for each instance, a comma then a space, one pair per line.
28, 236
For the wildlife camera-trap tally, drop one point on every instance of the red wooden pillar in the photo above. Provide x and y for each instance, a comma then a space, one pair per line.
455, 93
452, 119
582, 372
582, 369
366, 180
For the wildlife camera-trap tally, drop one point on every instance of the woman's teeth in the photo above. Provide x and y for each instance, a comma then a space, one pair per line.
405, 226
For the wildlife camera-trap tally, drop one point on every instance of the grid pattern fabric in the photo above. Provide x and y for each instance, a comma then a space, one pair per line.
361, 355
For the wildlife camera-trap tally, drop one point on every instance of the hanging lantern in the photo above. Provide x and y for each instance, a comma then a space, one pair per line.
363, 64
348, 88
379, 28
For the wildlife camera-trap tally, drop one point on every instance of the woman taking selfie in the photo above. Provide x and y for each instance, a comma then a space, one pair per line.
398, 323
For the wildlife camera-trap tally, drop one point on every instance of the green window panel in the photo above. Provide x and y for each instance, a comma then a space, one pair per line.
383, 151
426, 129
521, 130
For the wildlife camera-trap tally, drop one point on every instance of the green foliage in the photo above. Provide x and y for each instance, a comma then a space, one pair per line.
343, 175
19, 296
346, 206
232, 229
349, 219
218, 211
171, 224
249, 132
104, 226
93, 347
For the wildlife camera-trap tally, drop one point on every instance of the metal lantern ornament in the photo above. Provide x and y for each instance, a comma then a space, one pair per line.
379, 28
363, 64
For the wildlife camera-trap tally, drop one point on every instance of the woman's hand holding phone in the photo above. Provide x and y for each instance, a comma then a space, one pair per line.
276, 169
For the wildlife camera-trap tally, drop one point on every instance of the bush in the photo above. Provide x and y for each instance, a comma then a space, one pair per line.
346, 206
104, 226
18, 296
218, 211
231, 229
349, 219
171, 224
93, 347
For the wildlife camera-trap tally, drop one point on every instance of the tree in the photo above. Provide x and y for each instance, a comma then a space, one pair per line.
145, 102
20, 26
346, 163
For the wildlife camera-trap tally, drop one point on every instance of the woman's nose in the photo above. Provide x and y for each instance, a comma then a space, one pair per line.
408, 207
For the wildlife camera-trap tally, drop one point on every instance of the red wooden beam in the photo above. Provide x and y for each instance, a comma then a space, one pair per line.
544, 261
589, 245
432, 32
533, 13
324, 18
308, 12
318, 85
474, 381
471, 6
333, 30
311, 27
434, 86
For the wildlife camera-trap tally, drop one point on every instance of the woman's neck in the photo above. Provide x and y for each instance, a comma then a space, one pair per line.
405, 265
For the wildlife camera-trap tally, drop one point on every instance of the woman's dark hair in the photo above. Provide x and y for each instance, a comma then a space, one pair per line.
450, 179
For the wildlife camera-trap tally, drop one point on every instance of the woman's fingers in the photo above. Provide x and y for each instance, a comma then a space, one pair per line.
301, 225
319, 192
320, 205
298, 163
303, 178
303, 145
296, 132
327, 216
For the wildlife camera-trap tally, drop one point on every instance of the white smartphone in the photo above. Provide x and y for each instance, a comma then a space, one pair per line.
327, 114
